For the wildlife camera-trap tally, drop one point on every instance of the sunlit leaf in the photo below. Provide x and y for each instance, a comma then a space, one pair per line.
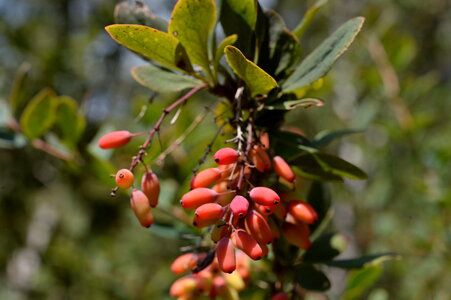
364, 261
230, 40
360, 280
308, 17
138, 13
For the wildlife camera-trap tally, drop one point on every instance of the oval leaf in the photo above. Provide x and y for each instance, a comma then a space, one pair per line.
69, 121
40, 114
292, 104
319, 62
140, 14
231, 39
360, 280
311, 278
151, 43
191, 23
162, 81
258, 81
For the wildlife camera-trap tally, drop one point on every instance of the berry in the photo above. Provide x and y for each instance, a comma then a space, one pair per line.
261, 152
264, 196
265, 209
258, 227
283, 169
264, 139
226, 156
183, 285
218, 287
225, 253
208, 214
141, 208
245, 242
280, 296
195, 198
184, 263
239, 206
297, 235
124, 178
206, 178
151, 187
302, 211
115, 139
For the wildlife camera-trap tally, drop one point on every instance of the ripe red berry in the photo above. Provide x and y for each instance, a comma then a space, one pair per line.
151, 187
302, 211
283, 169
225, 156
184, 263
280, 296
208, 214
124, 178
264, 196
265, 209
258, 227
261, 152
297, 235
195, 198
257, 161
239, 206
141, 208
183, 286
206, 178
245, 242
225, 252
115, 139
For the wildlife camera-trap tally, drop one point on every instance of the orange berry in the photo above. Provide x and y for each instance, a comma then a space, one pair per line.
297, 235
225, 253
258, 227
283, 169
205, 178
208, 214
141, 208
182, 286
195, 198
184, 263
245, 242
115, 139
239, 206
302, 211
151, 187
124, 178
225, 156
264, 196
280, 296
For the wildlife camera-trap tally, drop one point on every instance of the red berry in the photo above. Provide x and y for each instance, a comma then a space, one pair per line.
183, 286
258, 227
141, 208
263, 155
283, 169
151, 187
208, 214
206, 178
225, 252
184, 263
302, 211
245, 242
297, 235
225, 156
257, 161
195, 198
264, 139
239, 206
124, 178
218, 287
115, 139
264, 196
265, 209
280, 296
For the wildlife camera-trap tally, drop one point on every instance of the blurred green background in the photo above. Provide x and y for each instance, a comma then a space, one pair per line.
63, 237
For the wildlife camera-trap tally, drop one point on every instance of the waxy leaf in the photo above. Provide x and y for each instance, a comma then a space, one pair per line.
191, 23
163, 81
326, 247
40, 114
292, 104
364, 261
69, 121
310, 278
319, 62
151, 43
140, 14
258, 81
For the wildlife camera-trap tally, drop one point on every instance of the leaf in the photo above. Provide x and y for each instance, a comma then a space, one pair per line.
292, 104
258, 81
191, 23
310, 278
288, 144
319, 198
40, 114
140, 14
231, 39
359, 281
326, 247
329, 164
319, 62
325, 137
362, 262
162, 81
69, 121
154, 44
308, 17
16, 98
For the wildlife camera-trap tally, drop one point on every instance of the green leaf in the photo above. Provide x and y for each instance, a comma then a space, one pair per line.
326, 137
362, 262
231, 39
258, 81
359, 281
191, 23
151, 43
308, 17
319, 198
16, 98
69, 121
329, 164
326, 247
319, 62
289, 144
310, 278
40, 114
140, 14
163, 81
292, 104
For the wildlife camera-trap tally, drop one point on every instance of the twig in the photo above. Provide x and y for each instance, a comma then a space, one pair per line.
207, 151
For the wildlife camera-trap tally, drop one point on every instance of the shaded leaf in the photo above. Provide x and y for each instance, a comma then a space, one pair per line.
140, 14
69, 121
163, 81
308, 17
319, 62
319, 198
151, 43
359, 281
191, 23
40, 114
288, 144
16, 97
325, 137
231, 39
310, 278
364, 261
292, 104
258, 81
326, 247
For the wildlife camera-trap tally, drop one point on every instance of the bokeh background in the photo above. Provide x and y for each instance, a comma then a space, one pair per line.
63, 237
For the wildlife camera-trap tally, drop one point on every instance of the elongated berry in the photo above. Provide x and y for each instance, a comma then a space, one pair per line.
141, 208
283, 169
225, 252
258, 227
208, 214
302, 211
243, 265
124, 178
205, 178
261, 152
239, 206
151, 187
264, 196
225, 156
257, 161
184, 263
115, 139
195, 198
265, 209
297, 235
245, 242
280, 296
183, 286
